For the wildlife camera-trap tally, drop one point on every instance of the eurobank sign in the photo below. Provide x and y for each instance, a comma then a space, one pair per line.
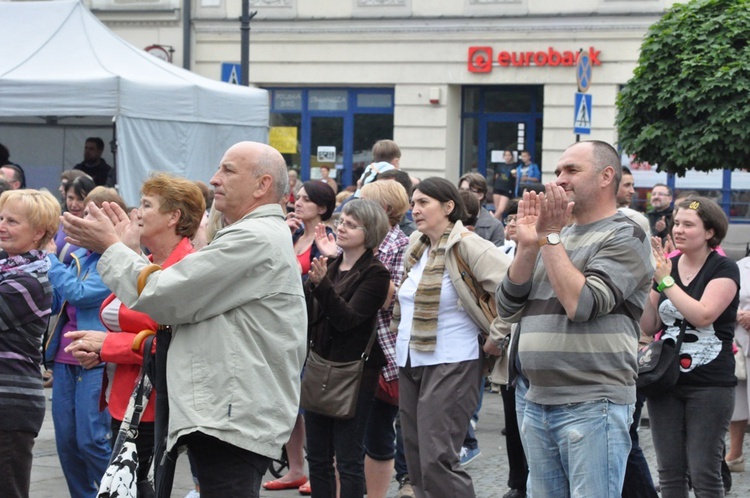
482, 59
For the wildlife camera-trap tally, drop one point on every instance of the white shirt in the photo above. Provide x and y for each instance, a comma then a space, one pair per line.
457, 334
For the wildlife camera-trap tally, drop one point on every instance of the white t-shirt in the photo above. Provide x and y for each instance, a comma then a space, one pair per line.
457, 334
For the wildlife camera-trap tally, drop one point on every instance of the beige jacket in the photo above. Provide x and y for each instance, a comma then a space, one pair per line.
239, 330
489, 264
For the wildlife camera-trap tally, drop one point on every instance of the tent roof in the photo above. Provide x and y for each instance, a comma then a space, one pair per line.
58, 59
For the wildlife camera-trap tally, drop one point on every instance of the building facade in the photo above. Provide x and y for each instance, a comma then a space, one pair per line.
453, 82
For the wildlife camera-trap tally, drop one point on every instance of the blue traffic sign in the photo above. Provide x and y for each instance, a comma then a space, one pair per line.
583, 72
230, 73
582, 117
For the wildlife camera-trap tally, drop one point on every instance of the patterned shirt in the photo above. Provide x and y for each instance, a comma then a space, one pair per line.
391, 254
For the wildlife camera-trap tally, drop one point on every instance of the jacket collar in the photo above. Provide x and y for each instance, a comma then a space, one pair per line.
184, 248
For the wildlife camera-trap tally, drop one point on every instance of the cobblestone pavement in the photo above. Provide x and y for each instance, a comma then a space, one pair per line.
489, 471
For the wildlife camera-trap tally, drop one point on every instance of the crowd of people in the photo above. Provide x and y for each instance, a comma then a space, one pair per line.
547, 301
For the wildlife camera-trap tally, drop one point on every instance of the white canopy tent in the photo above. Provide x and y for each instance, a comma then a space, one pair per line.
60, 67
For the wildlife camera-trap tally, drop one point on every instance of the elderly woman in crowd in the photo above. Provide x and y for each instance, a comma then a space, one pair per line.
28, 221
82, 431
343, 299
314, 204
697, 289
169, 214
439, 327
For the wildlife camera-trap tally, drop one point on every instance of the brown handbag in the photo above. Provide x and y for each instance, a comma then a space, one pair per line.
331, 388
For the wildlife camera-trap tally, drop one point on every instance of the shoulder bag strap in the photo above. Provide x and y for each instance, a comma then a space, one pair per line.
370, 343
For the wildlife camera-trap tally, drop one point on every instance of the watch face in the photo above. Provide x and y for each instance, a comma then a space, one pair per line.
553, 238
668, 280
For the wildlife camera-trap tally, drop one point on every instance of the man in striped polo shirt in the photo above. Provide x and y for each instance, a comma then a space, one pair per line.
578, 284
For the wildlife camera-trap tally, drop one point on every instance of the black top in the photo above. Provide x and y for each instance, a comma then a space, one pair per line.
99, 171
343, 309
505, 184
706, 357
654, 216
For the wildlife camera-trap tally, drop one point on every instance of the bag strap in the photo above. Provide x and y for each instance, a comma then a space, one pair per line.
142, 391
366, 355
466, 274
681, 335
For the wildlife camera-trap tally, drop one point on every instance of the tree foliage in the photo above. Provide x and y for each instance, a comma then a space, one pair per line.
688, 103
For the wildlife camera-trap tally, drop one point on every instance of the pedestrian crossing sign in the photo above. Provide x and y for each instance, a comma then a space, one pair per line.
230, 73
582, 117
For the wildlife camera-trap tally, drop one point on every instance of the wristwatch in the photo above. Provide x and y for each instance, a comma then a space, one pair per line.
666, 283
552, 239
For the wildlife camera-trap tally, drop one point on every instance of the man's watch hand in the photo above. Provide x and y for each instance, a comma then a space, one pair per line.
552, 239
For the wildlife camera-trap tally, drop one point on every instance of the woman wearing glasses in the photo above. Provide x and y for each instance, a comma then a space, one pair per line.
344, 295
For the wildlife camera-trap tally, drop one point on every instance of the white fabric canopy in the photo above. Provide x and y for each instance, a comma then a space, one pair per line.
57, 59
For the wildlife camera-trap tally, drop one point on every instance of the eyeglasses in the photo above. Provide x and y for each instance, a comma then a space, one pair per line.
346, 224
472, 190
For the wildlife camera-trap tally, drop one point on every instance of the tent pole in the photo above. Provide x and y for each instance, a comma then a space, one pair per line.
245, 19
187, 6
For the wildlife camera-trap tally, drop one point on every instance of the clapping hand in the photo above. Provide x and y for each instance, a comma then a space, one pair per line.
95, 231
325, 241
555, 210
663, 263
102, 228
318, 269
660, 225
528, 214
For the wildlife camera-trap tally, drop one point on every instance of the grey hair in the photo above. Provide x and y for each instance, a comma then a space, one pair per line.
372, 217
270, 162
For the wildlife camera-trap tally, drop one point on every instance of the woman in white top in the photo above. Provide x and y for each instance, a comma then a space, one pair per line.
438, 347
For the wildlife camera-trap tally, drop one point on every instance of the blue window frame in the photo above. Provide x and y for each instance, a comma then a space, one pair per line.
344, 105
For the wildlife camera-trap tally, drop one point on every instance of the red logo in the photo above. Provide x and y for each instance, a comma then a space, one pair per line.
480, 59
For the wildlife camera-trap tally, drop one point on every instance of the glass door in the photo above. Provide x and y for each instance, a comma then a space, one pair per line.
327, 145
499, 118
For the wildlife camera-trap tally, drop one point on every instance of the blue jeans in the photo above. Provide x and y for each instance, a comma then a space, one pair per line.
380, 434
577, 449
82, 432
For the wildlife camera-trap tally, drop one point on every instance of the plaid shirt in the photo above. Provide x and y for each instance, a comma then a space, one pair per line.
391, 254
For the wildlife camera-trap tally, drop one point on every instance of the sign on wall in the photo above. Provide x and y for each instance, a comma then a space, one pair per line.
230, 73
483, 59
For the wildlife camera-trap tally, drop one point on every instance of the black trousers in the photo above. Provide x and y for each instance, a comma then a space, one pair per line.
144, 443
519, 469
15, 463
225, 470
